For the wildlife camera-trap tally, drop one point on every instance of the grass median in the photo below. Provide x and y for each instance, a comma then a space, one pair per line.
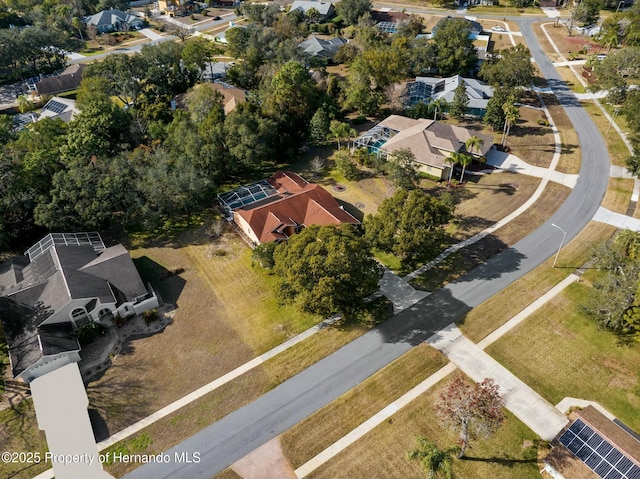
312, 435
509, 453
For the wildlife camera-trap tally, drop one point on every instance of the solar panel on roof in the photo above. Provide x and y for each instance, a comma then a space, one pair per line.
597, 453
55, 106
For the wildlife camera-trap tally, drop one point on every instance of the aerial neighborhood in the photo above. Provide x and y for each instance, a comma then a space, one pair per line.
323, 239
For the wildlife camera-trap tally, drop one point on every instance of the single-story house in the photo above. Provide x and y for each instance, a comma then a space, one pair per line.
431, 142
321, 48
61, 283
281, 206
594, 446
114, 20
58, 107
69, 79
231, 96
325, 9
427, 89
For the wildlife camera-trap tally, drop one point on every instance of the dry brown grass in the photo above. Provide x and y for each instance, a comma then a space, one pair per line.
618, 195
19, 433
463, 261
496, 311
509, 453
531, 142
618, 151
487, 199
213, 406
562, 40
571, 154
227, 314
314, 434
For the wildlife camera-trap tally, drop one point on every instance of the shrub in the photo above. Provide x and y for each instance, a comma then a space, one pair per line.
150, 315
359, 120
88, 332
543, 122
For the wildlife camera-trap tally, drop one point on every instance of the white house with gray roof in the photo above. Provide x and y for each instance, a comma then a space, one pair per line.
428, 89
321, 48
114, 20
325, 9
62, 282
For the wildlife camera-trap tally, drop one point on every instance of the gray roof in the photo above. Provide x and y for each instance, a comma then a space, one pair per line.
478, 92
318, 47
20, 324
116, 266
111, 17
80, 284
324, 8
63, 267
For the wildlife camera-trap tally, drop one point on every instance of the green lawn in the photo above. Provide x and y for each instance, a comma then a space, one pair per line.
511, 453
568, 355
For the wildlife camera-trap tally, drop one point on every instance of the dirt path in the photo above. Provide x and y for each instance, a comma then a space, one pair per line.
266, 462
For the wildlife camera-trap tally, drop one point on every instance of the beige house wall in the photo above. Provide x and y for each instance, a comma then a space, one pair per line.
246, 229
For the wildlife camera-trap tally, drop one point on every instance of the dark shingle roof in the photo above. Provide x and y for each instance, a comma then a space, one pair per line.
116, 266
58, 338
80, 284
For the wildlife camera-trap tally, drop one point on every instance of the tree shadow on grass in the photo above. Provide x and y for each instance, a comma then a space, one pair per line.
500, 460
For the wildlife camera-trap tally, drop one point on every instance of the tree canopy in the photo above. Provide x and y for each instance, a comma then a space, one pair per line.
473, 411
326, 270
510, 68
410, 225
351, 10
454, 49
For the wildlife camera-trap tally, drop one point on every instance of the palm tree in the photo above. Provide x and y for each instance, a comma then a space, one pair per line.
437, 462
474, 143
511, 115
339, 130
465, 160
438, 106
452, 160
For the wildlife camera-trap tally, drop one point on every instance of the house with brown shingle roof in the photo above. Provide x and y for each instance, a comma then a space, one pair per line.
285, 205
431, 142
231, 96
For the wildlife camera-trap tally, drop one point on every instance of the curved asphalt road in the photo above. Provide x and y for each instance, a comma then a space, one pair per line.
244, 430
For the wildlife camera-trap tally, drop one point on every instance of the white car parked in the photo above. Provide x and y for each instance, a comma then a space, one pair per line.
498, 28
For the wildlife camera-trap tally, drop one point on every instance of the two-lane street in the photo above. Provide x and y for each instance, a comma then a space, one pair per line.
242, 431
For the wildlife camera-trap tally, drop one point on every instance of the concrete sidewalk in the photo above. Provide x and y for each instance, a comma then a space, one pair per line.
399, 292
618, 220
150, 34
526, 404
508, 162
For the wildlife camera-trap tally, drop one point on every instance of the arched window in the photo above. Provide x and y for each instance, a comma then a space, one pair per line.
78, 313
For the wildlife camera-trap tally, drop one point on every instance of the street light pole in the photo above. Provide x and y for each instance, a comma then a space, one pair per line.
564, 235
621, 2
